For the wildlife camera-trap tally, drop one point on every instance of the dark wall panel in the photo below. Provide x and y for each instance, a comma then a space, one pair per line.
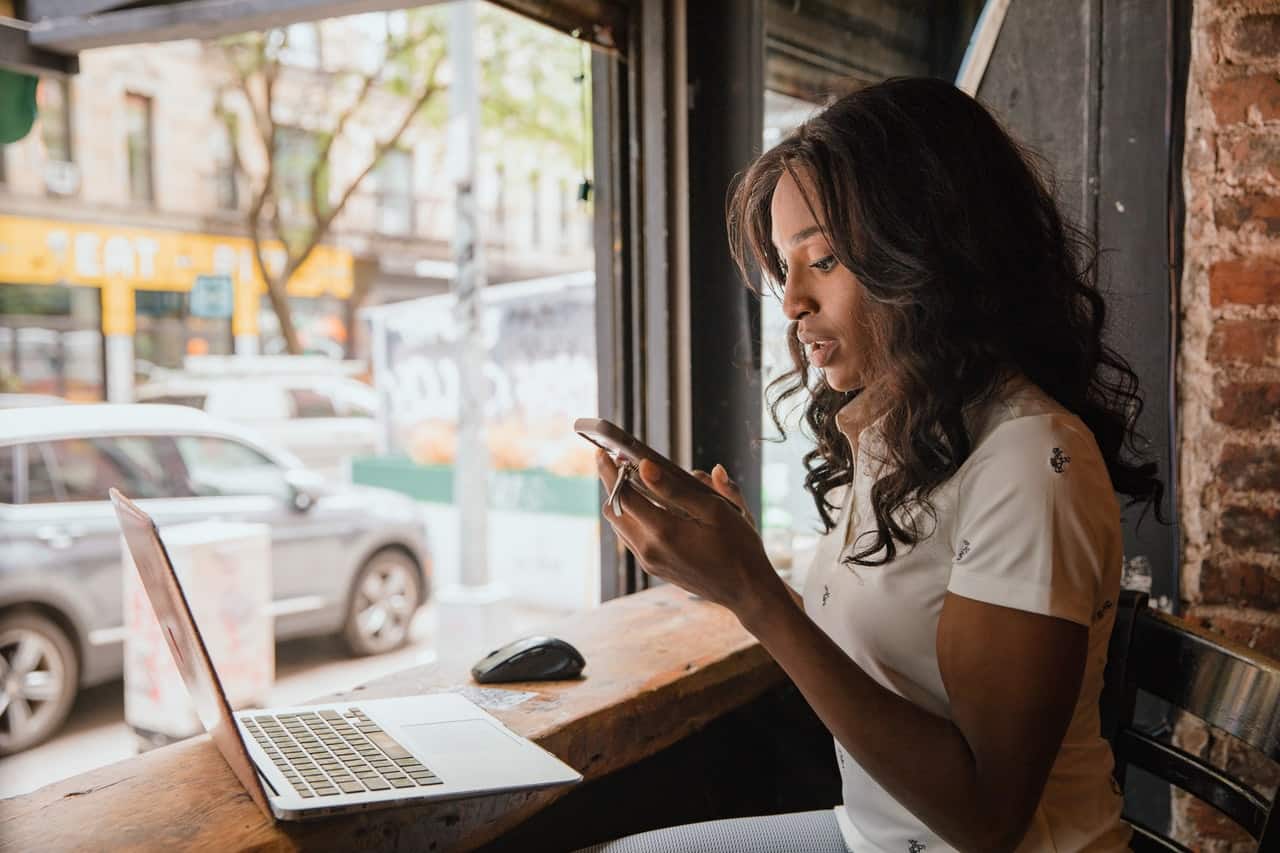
1042, 82
1087, 84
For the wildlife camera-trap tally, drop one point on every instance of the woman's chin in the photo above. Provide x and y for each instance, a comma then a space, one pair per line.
840, 380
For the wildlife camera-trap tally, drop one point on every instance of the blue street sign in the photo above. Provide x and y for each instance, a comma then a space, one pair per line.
212, 297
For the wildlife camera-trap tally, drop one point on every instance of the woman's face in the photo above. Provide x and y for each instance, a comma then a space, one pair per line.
822, 296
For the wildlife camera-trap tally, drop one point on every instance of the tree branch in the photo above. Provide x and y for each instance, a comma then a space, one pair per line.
326, 221
366, 86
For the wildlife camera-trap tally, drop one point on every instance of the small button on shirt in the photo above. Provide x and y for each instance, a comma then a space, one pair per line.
1029, 521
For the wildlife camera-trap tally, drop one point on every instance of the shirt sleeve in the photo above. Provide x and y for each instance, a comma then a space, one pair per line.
1036, 519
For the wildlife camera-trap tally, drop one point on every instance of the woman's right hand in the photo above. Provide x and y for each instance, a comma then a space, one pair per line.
719, 482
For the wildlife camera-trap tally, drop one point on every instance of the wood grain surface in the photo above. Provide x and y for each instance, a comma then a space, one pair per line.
660, 665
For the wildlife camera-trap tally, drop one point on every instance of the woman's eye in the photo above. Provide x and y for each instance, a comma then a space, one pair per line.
826, 264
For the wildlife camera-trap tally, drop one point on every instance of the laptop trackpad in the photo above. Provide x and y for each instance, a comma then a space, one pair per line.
462, 737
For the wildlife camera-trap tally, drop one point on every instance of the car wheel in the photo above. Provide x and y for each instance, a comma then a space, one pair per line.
38, 678
382, 605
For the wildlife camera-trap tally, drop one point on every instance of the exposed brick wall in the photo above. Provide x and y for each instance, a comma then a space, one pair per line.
1229, 362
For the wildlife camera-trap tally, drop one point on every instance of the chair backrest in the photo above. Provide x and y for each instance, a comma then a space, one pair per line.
1119, 691
1229, 686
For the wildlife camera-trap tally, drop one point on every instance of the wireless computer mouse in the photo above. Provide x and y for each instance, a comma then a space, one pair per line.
530, 659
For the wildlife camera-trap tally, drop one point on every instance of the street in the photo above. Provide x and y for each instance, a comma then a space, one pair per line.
96, 733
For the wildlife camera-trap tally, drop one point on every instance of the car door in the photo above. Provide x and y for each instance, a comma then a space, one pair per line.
233, 480
65, 517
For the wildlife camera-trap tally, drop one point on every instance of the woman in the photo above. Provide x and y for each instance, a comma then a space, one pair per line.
969, 424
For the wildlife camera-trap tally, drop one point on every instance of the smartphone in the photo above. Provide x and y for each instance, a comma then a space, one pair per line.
623, 447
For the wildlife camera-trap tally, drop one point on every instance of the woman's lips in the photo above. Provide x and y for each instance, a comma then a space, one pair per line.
820, 352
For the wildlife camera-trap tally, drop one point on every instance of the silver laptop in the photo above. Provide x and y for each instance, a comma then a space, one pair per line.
303, 762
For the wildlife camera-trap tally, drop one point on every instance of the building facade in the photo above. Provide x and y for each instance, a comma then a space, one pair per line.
124, 230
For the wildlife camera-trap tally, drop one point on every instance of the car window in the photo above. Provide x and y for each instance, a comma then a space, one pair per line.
195, 401
219, 467
311, 404
84, 469
8, 485
41, 488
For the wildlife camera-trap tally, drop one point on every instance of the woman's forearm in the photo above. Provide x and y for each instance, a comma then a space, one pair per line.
921, 759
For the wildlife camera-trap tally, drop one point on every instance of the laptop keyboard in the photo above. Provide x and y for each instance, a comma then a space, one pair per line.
324, 753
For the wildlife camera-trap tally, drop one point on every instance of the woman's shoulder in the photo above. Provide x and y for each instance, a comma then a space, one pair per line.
1023, 422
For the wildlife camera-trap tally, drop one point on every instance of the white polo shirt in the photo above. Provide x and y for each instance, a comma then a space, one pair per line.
1029, 521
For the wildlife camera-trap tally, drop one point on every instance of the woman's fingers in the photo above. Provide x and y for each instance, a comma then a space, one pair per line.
721, 482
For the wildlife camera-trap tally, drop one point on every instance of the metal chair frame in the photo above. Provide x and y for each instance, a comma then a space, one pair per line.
1230, 687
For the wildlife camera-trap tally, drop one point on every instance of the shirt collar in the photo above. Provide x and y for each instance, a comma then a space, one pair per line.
869, 436
857, 411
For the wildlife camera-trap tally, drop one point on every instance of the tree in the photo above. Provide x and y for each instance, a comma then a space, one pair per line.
533, 89
409, 77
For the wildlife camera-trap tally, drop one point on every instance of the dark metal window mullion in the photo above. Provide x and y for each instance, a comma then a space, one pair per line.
616, 378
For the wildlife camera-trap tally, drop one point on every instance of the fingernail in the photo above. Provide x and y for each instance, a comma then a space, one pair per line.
719, 469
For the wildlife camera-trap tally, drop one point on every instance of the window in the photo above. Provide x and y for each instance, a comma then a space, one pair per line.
50, 341
302, 46
194, 401
535, 210
566, 196
500, 205
53, 102
393, 184
84, 469
8, 474
218, 466
222, 145
311, 404
40, 485
372, 32
296, 154
138, 138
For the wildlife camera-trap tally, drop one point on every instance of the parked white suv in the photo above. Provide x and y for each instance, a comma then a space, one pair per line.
324, 421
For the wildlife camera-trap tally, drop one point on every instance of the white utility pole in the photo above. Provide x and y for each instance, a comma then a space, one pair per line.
468, 612
470, 472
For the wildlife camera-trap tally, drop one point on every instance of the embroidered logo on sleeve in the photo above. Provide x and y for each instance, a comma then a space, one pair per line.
964, 549
914, 846
1059, 460
826, 593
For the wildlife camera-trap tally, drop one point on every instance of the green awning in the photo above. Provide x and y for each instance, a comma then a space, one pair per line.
17, 105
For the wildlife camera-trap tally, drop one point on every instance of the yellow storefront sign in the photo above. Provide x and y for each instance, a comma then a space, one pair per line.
121, 260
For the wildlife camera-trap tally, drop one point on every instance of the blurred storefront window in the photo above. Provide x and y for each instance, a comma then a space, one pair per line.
167, 332
49, 341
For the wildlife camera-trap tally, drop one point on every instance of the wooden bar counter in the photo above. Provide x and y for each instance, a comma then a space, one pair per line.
661, 665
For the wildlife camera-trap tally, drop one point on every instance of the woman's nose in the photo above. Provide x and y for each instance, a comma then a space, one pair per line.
795, 302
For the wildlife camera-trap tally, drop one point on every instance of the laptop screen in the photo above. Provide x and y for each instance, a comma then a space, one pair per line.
189, 653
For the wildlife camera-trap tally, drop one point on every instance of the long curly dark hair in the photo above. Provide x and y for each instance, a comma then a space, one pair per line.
970, 273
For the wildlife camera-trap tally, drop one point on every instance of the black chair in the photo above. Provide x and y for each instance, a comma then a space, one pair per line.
1227, 685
